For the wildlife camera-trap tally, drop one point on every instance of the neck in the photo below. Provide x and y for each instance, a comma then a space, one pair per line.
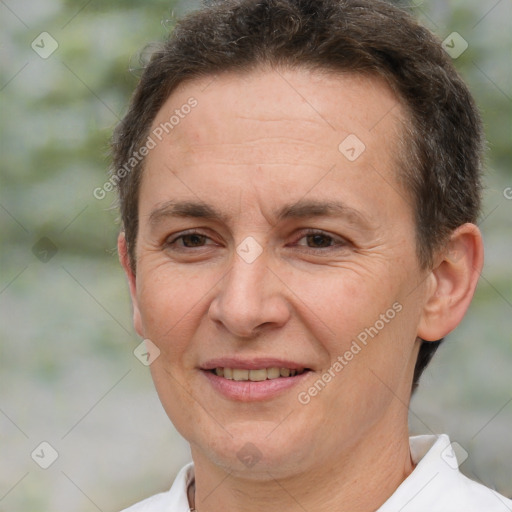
358, 481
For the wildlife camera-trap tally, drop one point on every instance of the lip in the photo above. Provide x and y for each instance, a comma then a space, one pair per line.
249, 391
251, 364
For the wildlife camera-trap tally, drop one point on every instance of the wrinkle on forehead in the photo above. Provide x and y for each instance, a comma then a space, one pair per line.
281, 129
287, 96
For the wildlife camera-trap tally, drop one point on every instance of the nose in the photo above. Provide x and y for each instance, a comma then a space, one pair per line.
250, 299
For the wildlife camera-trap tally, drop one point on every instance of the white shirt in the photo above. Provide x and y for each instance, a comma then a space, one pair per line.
435, 485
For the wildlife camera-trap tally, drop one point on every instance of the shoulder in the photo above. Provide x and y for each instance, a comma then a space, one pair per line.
476, 497
437, 485
175, 499
156, 503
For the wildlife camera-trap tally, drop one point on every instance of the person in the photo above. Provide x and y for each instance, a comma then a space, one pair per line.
299, 182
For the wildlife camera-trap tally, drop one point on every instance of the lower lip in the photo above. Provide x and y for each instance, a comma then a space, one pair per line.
249, 391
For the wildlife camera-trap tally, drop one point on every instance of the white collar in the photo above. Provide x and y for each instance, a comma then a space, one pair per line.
437, 485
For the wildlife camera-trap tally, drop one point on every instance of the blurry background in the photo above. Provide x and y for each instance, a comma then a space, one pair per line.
68, 375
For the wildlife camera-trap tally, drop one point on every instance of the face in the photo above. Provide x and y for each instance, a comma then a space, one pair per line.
276, 268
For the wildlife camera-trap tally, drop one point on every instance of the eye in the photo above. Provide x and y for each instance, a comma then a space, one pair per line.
188, 240
314, 239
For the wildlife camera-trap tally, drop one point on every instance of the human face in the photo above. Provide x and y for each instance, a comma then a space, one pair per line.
274, 278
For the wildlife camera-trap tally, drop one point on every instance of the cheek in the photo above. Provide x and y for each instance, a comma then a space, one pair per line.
367, 321
170, 303
344, 302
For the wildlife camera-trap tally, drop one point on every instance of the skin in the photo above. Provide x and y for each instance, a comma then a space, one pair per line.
255, 143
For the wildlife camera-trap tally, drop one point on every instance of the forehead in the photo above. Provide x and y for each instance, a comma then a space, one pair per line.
278, 126
341, 102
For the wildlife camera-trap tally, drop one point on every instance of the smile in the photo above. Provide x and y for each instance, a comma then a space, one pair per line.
256, 375
244, 381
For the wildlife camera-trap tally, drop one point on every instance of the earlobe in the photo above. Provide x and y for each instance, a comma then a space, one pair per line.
452, 283
124, 259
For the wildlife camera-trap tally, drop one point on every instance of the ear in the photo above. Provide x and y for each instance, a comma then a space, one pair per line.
124, 258
452, 283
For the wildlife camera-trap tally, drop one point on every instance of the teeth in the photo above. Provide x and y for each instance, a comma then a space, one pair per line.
258, 375
240, 374
273, 373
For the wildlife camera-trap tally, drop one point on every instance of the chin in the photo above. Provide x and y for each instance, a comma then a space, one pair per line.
254, 451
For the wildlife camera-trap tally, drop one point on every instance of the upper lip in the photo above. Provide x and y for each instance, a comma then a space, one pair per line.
251, 364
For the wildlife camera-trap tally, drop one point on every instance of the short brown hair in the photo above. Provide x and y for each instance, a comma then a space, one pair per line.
441, 166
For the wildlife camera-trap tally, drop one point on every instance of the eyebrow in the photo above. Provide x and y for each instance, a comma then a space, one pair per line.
195, 209
314, 208
298, 210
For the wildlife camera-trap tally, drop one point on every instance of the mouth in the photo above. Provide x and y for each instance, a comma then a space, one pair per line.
258, 374
255, 380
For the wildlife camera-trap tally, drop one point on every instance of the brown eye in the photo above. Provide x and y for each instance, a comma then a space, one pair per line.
193, 240
319, 240
188, 240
